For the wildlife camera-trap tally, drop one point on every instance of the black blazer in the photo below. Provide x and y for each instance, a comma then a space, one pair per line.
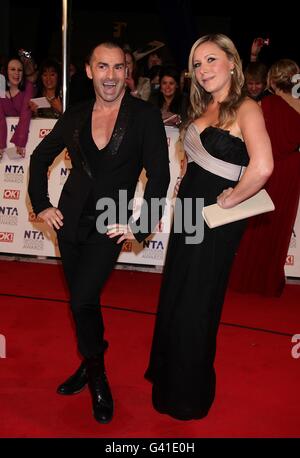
138, 141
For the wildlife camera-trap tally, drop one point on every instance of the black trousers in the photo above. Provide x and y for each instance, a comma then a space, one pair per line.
87, 263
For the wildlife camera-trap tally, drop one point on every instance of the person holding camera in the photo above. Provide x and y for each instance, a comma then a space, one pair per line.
30, 66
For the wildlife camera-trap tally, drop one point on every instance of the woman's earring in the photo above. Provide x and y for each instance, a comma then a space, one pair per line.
232, 72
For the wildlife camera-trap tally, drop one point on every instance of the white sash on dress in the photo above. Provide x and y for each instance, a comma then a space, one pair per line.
198, 154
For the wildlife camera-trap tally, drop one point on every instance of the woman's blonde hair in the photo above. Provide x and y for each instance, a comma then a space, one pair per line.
281, 73
200, 98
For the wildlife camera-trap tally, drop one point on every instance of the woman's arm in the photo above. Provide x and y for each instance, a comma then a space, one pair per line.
3, 128
20, 135
252, 125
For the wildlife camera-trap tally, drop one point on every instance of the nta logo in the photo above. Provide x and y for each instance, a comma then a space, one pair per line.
33, 235
8, 211
14, 169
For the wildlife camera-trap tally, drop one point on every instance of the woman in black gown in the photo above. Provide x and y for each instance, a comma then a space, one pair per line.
225, 133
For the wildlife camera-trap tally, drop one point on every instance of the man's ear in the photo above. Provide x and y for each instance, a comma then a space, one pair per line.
88, 71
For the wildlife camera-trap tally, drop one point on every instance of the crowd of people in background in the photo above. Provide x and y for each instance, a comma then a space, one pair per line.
151, 78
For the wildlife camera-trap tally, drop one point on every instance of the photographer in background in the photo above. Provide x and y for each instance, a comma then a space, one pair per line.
257, 45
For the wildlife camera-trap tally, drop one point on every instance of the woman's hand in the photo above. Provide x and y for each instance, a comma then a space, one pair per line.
122, 231
177, 185
33, 107
30, 67
56, 105
257, 44
171, 119
53, 217
21, 151
222, 199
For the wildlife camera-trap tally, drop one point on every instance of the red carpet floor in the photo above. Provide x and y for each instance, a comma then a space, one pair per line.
257, 379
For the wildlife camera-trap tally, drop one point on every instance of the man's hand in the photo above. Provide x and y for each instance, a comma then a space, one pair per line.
53, 217
122, 231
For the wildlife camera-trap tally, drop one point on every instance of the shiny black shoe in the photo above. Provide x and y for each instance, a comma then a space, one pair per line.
76, 383
103, 404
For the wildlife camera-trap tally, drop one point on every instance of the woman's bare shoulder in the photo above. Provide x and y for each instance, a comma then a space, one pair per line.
249, 104
248, 108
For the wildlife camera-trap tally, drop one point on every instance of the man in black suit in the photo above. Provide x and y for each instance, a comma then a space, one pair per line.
109, 139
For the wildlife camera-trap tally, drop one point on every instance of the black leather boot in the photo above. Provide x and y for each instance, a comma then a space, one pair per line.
103, 405
78, 381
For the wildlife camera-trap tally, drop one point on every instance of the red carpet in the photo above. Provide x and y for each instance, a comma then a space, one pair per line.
257, 379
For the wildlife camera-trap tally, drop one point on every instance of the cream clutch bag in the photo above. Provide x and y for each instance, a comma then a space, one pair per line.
215, 216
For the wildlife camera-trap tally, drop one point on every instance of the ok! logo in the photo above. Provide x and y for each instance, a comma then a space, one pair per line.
11, 194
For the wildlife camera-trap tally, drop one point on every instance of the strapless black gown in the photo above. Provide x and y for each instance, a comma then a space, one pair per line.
181, 365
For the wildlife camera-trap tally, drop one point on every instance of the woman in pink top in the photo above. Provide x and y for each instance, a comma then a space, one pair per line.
16, 103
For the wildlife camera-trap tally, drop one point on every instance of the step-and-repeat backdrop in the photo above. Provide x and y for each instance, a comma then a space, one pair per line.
21, 232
